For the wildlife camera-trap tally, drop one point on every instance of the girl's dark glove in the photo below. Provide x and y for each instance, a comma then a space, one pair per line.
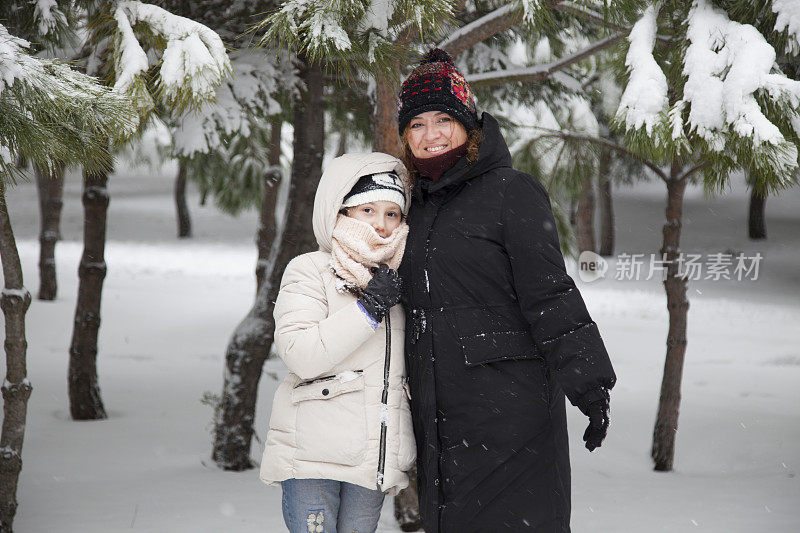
598, 424
382, 292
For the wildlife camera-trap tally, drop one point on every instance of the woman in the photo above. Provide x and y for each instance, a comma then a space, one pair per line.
497, 331
340, 433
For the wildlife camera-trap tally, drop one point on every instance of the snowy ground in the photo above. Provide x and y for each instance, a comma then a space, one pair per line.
169, 307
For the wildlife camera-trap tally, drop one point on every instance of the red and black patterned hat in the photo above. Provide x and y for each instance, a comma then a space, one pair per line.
436, 85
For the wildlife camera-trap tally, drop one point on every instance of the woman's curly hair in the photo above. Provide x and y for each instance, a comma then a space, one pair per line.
474, 138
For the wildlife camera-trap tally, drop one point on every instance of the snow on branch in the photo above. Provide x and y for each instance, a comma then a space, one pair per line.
247, 97
788, 12
727, 64
193, 64
539, 73
48, 16
644, 100
478, 30
13, 59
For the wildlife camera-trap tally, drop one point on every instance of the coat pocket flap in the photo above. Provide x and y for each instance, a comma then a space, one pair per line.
497, 346
327, 389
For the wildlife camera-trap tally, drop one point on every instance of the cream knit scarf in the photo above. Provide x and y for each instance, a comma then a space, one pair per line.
357, 247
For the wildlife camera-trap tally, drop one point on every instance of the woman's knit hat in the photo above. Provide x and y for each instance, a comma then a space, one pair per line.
436, 85
384, 186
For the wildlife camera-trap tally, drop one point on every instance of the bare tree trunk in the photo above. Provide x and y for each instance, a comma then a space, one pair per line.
184, 218
605, 204
16, 387
51, 191
246, 353
84, 391
584, 219
267, 228
384, 117
756, 216
666, 426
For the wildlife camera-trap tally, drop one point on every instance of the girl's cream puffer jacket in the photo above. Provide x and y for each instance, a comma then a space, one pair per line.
327, 413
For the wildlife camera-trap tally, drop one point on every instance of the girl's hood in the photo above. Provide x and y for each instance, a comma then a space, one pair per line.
339, 177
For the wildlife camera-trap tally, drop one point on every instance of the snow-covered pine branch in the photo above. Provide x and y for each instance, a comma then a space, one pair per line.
538, 73
788, 19
731, 105
193, 60
242, 102
644, 102
351, 34
52, 114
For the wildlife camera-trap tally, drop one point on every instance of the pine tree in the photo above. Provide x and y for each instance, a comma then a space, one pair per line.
710, 101
46, 25
159, 60
51, 115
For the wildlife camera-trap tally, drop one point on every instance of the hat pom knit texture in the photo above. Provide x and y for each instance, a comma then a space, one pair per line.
436, 55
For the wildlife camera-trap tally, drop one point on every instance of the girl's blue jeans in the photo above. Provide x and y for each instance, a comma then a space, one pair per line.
327, 506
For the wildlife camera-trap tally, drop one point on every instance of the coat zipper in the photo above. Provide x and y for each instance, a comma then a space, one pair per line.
384, 404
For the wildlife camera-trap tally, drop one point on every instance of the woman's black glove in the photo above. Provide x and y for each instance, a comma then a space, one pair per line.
382, 292
598, 424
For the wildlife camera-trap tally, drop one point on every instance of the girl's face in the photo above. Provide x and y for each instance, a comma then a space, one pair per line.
382, 215
433, 133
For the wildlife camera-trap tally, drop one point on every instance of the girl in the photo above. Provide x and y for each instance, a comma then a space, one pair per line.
497, 332
340, 434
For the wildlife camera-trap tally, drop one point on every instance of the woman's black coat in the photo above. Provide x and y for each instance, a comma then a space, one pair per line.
496, 335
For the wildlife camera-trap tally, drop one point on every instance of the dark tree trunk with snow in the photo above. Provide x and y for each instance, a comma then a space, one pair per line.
182, 209
584, 217
16, 387
252, 340
267, 227
384, 117
605, 204
756, 217
84, 391
406, 505
666, 427
50, 185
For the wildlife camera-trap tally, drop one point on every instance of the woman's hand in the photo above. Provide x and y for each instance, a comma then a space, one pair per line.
598, 424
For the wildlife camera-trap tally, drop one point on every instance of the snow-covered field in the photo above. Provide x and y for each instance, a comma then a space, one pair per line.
169, 307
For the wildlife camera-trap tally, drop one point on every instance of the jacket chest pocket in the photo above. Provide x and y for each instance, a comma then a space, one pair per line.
495, 346
331, 421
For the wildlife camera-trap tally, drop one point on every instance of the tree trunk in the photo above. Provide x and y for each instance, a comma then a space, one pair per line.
51, 191
16, 387
756, 219
184, 219
406, 505
267, 227
386, 139
584, 218
605, 203
342, 148
384, 117
251, 342
84, 391
666, 426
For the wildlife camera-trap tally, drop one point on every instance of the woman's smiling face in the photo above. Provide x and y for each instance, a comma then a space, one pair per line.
433, 133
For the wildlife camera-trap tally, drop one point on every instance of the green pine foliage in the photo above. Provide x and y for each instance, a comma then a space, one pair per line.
50, 113
353, 36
